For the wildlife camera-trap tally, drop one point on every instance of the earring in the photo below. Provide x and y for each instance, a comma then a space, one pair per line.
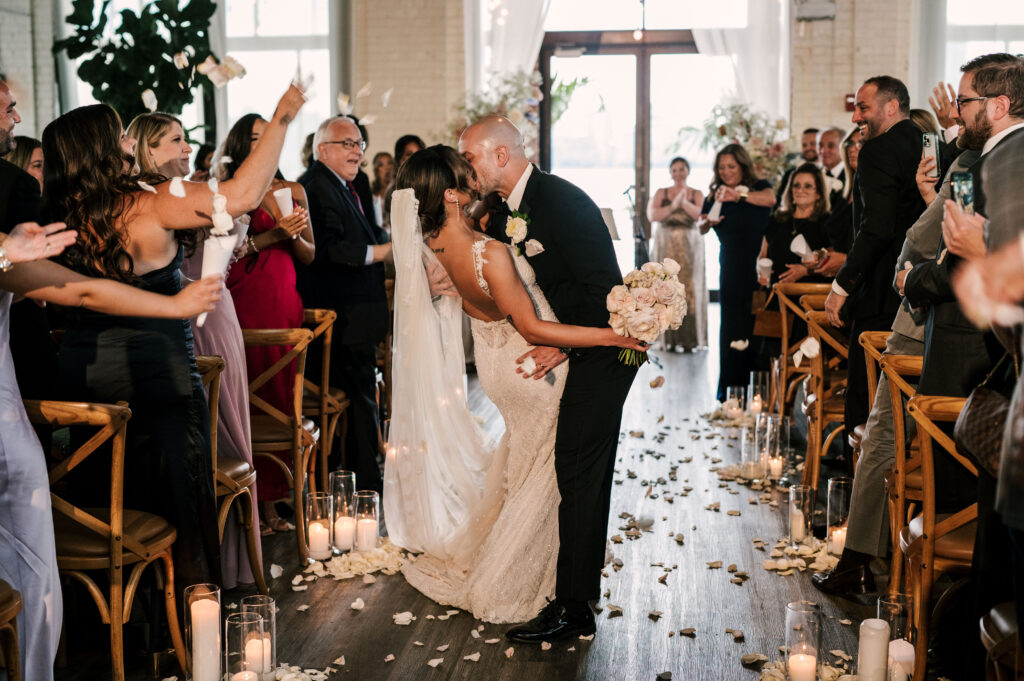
457, 207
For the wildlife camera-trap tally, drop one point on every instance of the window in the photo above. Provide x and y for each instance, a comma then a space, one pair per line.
977, 27
610, 15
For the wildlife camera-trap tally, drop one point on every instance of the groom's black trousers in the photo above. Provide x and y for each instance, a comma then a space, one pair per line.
585, 446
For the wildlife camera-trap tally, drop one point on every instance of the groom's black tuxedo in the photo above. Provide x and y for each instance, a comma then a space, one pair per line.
576, 271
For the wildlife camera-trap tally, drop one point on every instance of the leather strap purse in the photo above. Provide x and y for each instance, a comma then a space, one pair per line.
979, 427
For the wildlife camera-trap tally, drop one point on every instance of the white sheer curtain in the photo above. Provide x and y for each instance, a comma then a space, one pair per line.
502, 37
760, 55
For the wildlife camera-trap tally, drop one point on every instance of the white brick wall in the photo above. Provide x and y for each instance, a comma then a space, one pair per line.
26, 38
832, 58
415, 47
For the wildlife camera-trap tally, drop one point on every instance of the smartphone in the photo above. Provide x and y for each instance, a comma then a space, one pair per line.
963, 191
930, 144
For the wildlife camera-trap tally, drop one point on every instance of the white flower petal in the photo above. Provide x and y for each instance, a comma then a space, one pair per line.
147, 187
177, 187
365, 90
276, 570
385, 98
534, 247
149, 100
358, 604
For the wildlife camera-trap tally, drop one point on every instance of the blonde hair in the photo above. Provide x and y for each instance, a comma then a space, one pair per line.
148, 129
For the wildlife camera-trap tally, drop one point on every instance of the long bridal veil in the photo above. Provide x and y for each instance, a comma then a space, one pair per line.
438, 459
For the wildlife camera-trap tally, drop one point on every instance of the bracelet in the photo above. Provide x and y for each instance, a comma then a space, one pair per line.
252, 244
5, 262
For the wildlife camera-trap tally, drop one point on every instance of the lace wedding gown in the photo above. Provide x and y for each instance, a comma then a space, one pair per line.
498, 559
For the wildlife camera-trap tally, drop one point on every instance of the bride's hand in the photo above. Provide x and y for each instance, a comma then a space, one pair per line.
545, 358
628, 342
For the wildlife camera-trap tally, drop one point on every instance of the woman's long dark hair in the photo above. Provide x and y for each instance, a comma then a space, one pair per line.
237, 146
429, 172
742, 159
85, 185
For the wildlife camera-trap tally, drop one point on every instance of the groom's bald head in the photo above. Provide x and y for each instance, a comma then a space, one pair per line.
494, 147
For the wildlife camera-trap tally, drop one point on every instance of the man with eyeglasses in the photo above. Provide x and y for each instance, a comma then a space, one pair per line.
347, 276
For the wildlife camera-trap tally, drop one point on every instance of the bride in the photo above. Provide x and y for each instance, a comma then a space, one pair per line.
483, 516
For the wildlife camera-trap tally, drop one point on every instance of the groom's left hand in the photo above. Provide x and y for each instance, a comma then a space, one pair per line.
546, 359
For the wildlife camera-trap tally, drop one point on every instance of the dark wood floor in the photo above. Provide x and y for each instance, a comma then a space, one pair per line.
631, 646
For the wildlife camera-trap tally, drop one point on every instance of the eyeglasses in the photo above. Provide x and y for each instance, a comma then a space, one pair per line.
960, 101
349, 144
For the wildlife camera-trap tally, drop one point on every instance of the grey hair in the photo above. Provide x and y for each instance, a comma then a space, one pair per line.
322, 130
840, 131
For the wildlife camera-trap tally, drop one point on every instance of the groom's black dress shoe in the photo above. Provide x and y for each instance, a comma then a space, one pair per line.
555, 621
856, 579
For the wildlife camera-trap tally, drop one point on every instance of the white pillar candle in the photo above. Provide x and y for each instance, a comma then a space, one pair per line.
319, 541
775, 466
366, 534
873, 650
756, 405
205, 640
901, 660
837, 541
735, 413
803, 667
245, 676
797, 531
257, 654
344, 532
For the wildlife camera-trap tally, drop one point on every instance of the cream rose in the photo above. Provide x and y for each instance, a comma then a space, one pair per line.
644, 297
643, 325
664, 291
515, 229
670, 266
654, 268
618, 324
620, 300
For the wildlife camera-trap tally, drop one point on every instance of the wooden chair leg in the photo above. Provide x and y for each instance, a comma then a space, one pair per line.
298, 482
251, 529
171, 608
916, 574
896, 512
9, 644
116, 603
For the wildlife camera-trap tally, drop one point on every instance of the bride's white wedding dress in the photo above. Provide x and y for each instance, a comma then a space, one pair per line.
489, 540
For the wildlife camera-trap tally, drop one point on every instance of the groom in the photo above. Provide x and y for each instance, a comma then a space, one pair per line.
576, 270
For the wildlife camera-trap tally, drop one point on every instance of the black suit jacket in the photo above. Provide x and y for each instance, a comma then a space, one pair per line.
338, 277
578, 267
19, 197
886, 203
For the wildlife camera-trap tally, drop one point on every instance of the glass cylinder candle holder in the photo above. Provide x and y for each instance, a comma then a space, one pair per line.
735, 398
767, 439
319, 519
244, 647
801, 511
839, 491
266, 608
898, 610
343, 487
758, 392
785, 454
750, 460
367, 520
803, 640
202, 631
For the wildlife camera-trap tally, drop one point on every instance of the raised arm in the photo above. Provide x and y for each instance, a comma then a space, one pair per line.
46, 280
244, 191
515, 303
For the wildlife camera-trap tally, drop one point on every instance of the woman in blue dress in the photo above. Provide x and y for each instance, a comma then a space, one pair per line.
745, 204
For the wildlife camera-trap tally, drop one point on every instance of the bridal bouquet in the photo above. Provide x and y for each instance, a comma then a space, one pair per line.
650, 301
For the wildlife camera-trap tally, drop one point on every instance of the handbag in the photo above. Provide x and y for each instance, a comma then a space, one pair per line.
767, 323
979, 427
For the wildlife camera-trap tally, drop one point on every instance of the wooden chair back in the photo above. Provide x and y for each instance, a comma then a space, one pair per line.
873, 343
210, 369
74, 525
328, 408
823, 403
788, 375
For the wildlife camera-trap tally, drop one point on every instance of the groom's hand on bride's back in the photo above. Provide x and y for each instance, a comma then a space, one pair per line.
544, 358
439, 281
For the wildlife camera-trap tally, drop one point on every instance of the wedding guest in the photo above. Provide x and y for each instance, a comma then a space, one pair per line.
163, 150
383, 176
204, 159
28, 155
406, 146
137, 236
804, 211
307, 154
885, 205
262, 284
28, 559
676, 210
347, 276
924, 120
830, 160
746, 203
808, 154
839, 225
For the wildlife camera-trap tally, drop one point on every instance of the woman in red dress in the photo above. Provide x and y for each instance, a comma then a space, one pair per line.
262, 283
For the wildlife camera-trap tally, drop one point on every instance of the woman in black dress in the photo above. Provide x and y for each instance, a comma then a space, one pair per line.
133, 229
804, 211
745, 204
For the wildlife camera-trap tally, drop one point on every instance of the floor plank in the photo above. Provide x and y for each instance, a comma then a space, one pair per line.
628, 647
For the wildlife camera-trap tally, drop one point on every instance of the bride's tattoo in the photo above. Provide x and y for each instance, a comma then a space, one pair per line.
437, 250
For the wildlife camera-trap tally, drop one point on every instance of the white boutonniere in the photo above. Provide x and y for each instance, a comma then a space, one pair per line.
516, 227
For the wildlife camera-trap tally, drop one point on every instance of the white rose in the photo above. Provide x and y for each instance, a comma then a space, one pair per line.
664, 291
644, 297
664, 316
632, 278
618, 324
515, 229
654, 268
643, 325
678, 312
670, 266
619, 300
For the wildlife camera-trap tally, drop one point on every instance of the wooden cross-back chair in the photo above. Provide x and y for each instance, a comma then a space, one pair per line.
109, 539
823, 400
329, 405
904, 480
935, 544
10, 606
787, 375
233, 479
873, 343
274, 430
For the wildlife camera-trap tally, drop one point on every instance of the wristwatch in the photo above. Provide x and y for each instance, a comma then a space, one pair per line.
743, 192
5, 262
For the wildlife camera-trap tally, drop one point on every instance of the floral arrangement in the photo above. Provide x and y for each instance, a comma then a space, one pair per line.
766, 140
650, 301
